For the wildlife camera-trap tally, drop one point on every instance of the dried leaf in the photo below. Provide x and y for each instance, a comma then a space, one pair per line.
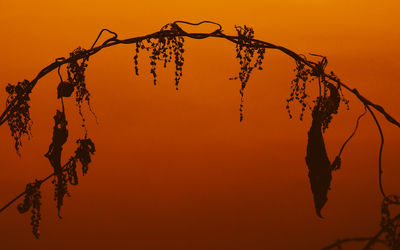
65, 89
60, 135
32, 200
318, 163
85, 149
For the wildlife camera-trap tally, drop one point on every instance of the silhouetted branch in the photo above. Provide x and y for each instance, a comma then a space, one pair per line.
181, 33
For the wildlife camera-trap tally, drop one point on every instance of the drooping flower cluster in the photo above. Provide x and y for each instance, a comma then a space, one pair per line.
306, 74
19, 119
163, 49
298, 88
245, 52
76, 76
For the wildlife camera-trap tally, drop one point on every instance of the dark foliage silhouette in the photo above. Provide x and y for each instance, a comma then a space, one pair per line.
166, 46
20, 122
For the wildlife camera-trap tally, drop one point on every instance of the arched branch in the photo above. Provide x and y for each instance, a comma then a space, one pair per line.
180, 33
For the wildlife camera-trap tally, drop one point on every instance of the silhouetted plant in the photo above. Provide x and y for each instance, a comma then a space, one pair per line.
165, 46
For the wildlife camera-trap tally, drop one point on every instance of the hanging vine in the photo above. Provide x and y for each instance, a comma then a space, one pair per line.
164, 47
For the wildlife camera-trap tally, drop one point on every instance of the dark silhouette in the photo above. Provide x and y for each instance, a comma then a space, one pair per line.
165, 46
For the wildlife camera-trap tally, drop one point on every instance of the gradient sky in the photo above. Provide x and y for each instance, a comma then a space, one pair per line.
177, 170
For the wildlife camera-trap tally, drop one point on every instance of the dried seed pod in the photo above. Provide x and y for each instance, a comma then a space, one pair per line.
65, 89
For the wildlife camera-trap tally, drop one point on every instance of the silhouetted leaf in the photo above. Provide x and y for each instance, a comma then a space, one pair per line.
317, 160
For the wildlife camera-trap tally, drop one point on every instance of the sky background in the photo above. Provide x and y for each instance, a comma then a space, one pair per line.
176, 169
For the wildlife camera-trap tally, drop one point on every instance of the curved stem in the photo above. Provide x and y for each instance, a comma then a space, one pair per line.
380, 151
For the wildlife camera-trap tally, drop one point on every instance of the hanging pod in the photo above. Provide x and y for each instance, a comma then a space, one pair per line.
65, 89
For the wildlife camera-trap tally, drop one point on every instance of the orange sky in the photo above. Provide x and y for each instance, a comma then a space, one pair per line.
177, 170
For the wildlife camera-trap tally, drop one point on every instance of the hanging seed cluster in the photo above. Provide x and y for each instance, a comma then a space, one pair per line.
164, 50
85, 149
328, 105
76, 75
298, 92
298, 89
32, 201
245, 52
19, 120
